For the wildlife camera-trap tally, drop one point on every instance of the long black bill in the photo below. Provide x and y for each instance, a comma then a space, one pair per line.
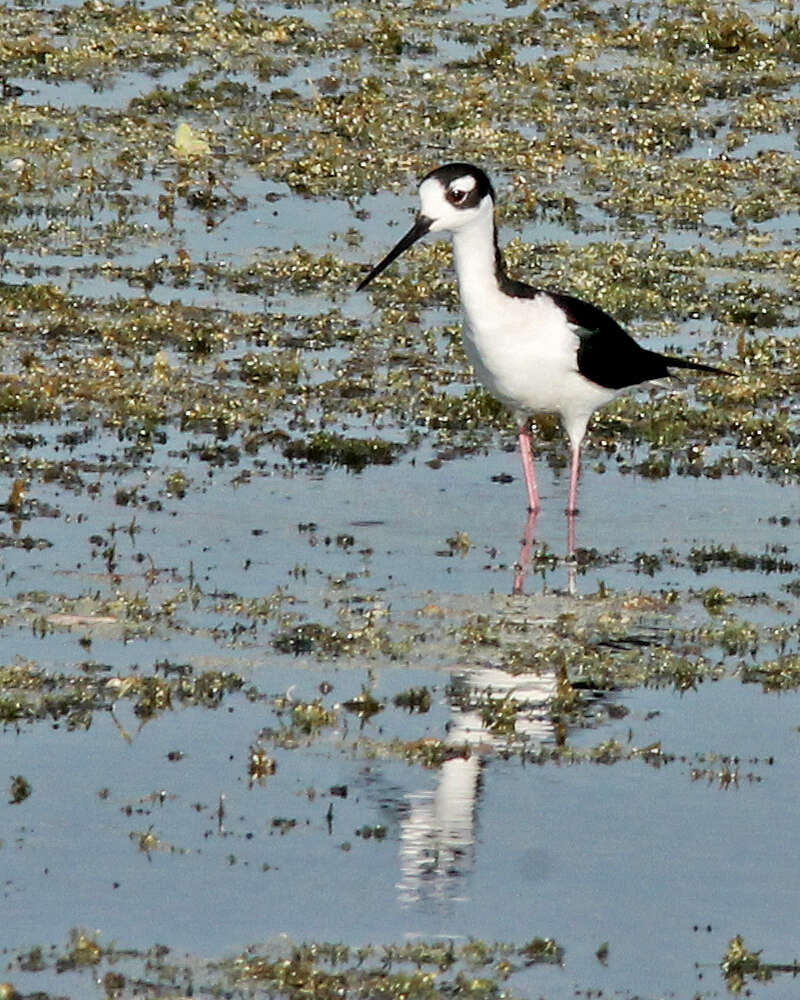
417, 231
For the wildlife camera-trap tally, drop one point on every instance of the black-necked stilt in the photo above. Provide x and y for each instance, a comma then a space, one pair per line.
534, 350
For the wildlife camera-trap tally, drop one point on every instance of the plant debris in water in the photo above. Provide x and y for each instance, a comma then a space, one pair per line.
185, 210
741, 965
104, 196
431, 969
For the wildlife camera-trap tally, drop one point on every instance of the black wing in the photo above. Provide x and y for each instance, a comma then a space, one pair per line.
607, 354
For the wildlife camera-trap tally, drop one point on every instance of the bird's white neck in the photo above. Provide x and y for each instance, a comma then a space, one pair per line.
475, 254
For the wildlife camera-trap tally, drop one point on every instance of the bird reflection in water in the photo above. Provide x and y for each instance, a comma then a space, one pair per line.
437, 837
526, 553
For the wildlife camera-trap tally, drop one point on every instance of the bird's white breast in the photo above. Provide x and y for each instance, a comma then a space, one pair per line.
522, 350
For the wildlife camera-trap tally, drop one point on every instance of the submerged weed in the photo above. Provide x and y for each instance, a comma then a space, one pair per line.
333, 449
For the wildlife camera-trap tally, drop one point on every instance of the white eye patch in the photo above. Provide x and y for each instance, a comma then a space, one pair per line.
463, 184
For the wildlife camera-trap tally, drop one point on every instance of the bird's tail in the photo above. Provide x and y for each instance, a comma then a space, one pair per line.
698, 366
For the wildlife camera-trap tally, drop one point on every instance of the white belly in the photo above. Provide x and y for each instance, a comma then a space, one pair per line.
525, 353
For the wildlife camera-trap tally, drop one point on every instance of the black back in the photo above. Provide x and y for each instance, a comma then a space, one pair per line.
607, 354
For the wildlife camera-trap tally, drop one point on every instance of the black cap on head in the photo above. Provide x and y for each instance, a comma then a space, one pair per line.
450, 173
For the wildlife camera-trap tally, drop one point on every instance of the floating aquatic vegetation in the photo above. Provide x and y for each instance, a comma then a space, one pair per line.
782, 674
20, 789
195, 303
29, 694
414, 700
739, 963
354, 453
311, 716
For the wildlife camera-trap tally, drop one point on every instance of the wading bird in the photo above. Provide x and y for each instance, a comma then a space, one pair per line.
536, 351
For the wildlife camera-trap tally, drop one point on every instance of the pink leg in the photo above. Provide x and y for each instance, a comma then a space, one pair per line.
574, 472
523, 562
570, 534
572, 503
526, 451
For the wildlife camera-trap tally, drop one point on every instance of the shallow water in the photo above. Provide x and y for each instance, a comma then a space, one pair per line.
643, 794
587, 853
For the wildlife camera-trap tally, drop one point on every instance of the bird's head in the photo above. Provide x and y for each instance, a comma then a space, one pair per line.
451, 197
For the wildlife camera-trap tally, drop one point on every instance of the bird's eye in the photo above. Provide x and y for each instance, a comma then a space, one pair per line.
456, 196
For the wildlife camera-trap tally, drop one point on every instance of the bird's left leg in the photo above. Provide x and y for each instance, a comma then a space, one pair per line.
572, 503
574, 474
528, 538
526, 452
